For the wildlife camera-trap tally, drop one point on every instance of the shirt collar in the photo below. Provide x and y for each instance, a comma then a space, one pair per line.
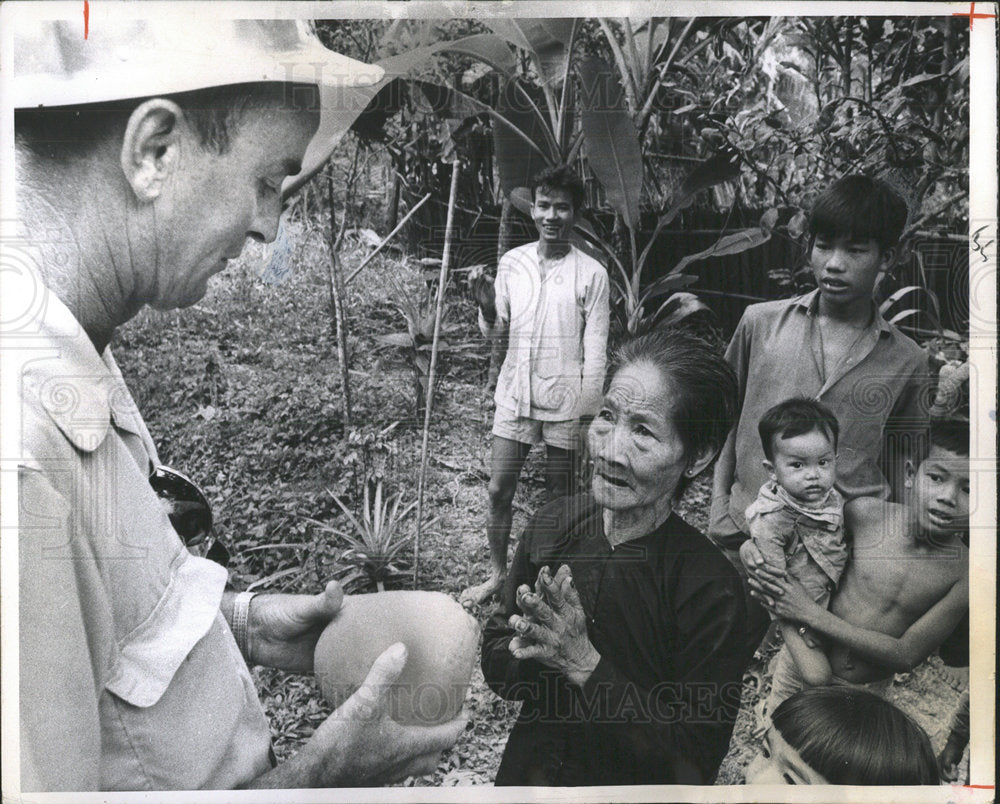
810, 301
82, 392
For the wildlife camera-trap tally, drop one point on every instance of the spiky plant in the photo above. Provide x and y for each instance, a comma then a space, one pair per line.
376, 537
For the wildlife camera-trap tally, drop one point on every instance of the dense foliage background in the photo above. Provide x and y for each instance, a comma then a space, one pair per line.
296, 397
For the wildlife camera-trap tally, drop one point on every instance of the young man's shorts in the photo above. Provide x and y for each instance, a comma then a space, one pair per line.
786, 680
562, 435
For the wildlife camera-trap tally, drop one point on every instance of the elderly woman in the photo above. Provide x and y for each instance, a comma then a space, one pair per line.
623, 630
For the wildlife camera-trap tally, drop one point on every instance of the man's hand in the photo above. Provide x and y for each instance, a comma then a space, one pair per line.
484, 294
553, 629
284, 628
361, 745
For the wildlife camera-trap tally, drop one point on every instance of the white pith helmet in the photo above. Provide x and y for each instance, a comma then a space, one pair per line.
174, 49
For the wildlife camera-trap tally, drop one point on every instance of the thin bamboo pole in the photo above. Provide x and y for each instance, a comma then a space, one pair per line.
438, 313
337, 291
388, 237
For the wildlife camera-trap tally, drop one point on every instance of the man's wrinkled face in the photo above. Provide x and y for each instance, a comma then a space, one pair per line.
216, 201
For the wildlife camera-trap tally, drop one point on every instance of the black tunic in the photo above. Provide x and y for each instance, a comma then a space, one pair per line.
668, 615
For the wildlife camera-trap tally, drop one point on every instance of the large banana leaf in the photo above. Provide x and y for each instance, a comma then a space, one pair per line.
485, 47
547, 40
734, 243
340, 106
666, 285
517, 163
678, 307
610, 138
458, 105
716, 169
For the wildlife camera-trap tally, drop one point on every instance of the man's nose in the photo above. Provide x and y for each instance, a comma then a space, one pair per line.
266, 224
836, 260
265, 230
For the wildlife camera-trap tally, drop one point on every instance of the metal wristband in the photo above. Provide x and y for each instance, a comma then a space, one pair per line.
241, 622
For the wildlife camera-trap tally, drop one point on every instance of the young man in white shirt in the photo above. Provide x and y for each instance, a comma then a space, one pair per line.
551, 308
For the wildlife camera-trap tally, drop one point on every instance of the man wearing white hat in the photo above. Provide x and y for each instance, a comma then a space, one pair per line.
147, 152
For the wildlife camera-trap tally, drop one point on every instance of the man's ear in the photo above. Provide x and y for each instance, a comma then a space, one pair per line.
151, 146
888, 259
909, 473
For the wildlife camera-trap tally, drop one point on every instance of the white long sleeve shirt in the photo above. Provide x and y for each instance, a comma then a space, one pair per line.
556, 321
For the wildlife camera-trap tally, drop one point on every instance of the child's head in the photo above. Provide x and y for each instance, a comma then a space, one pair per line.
854, 227
938, 486
842, 735
799, 437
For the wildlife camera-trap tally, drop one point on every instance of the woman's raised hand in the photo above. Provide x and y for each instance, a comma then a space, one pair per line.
553, 629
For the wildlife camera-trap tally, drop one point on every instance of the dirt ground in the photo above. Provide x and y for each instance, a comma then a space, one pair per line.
243, 393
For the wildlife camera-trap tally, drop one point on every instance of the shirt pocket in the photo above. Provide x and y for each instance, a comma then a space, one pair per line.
150, 654
178, 693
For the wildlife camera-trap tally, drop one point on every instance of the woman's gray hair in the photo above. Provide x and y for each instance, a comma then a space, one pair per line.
704, 386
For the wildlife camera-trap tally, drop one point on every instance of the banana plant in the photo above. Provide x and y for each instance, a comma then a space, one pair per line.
580, 111
417, 310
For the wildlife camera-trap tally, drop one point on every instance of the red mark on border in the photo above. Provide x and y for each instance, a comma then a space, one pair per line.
86, 18
979, 786
972, 15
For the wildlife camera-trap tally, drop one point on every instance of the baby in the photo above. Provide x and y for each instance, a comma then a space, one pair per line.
797, 519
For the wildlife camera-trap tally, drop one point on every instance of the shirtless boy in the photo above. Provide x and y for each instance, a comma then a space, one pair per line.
907, 584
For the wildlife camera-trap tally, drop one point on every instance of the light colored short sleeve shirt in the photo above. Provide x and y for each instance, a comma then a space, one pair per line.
130, 678
557, 334
776, 352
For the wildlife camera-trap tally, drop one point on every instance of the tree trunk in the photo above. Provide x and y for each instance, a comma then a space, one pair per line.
845, 65
393, 213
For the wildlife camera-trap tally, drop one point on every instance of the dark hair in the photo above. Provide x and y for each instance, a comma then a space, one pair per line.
560, 177
706, 398
861, 207
214, 113
795, 417
851, 736
949, 434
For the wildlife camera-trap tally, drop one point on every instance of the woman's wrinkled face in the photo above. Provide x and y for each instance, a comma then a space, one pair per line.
638, 455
